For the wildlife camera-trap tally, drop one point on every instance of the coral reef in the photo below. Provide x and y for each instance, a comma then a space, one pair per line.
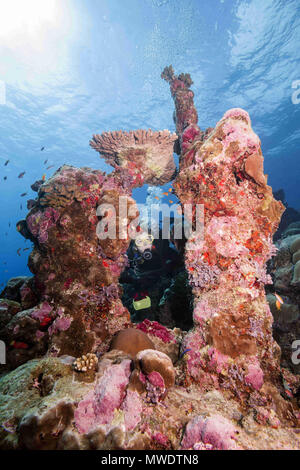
155, 384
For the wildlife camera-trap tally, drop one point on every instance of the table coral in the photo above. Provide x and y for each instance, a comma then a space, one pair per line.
146, 155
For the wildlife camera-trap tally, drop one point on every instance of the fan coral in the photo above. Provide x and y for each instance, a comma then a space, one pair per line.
40, 222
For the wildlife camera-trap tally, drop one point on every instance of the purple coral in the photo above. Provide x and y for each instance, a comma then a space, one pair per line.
61, 323
40, 222
104, 295
42, 312
255, 376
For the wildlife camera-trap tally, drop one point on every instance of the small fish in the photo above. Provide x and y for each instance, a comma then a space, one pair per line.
5, 178
9, 224
166, 194
8, 426
170, 201
183, 353
23, 194
43, 177
49, 167
43, 148
26, 249
279, 301
46, 161
156, 197
18, 251
105, 264
170, 190
6, 163
21, 207
22, 174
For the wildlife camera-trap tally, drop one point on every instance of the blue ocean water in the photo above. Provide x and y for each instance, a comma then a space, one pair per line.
72, 68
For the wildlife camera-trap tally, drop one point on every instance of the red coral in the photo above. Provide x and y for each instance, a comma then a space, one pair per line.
156, 329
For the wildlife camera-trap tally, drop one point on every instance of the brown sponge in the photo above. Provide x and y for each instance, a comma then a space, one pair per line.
131, 341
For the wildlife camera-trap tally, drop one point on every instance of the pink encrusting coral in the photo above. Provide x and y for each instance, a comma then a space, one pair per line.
98, 407
74, 268
215, 430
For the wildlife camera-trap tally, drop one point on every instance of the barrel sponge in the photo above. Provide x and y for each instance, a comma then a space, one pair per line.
150, 360
131, 341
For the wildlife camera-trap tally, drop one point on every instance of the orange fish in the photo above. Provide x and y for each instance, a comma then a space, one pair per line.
43, 177
156, 197
166, 194
105, 264
279, 301
171, 202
